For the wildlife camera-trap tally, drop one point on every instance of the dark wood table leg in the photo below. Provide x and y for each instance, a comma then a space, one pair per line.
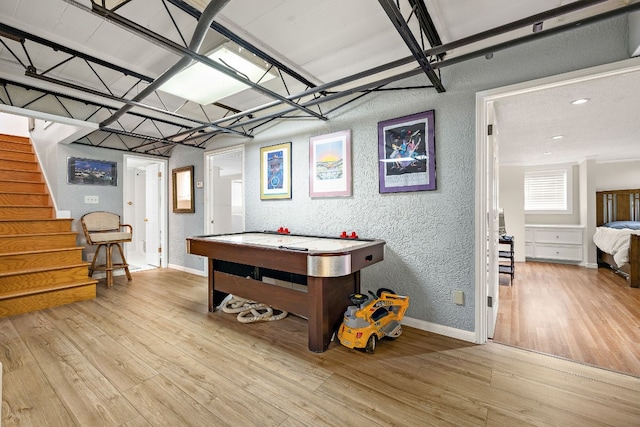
215, 297
328, 300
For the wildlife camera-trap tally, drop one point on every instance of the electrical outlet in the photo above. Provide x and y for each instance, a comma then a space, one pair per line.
93, 200
458, 297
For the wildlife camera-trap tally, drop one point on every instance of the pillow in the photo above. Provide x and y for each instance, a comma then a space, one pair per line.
633, 225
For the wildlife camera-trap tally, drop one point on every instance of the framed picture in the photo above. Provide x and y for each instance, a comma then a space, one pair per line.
275, 172
406, 149
91, 172
330, 165
183, 197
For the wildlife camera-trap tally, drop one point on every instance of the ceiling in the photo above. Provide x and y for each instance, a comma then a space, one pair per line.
102, 61
606, 128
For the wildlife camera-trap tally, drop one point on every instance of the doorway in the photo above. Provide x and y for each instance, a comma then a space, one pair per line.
145, 207
486, 180
224, 191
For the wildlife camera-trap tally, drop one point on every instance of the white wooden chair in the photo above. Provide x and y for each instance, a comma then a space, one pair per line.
104, 230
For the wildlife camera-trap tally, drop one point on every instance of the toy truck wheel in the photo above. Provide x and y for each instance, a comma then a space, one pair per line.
371, 344
381, 290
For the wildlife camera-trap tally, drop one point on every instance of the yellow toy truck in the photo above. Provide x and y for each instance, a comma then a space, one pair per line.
372, 318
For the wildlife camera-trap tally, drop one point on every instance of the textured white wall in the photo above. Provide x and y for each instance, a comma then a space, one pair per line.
511, 197
183, 225
14, 125
618, 175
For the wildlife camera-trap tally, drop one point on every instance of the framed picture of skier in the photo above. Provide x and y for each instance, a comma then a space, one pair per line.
406, 153
275, 172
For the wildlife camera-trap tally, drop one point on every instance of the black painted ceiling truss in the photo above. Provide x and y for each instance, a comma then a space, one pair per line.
151, 127
427, 30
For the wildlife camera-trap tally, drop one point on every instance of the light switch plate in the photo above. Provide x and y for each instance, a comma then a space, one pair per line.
458, 297
93, 200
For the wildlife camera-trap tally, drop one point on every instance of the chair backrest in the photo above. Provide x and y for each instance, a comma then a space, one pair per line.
100, 221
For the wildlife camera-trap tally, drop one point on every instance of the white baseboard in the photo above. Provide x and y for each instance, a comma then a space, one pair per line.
447, 331
188, 270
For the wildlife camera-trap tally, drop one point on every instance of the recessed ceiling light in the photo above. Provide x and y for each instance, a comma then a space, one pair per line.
546, 153
557, 137
580, 101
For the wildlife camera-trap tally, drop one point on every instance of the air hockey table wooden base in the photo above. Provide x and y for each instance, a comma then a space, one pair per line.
311, 276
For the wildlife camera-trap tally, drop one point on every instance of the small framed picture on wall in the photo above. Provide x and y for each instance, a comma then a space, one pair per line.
330, 165
275, 172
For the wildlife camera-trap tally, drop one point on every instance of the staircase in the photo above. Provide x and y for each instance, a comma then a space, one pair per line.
40, 263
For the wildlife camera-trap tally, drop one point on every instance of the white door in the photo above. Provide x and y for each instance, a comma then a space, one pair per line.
492, 225
152, 215
145, 195
224, 191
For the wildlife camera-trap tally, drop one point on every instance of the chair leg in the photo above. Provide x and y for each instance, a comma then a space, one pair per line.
92, 268
125, 265
109, 267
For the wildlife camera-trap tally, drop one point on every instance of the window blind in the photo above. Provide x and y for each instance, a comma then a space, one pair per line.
545, 190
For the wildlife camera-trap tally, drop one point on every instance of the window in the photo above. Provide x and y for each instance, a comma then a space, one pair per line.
548, 191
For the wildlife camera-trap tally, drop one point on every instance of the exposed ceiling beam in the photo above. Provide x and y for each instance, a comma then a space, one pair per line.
426, 23
534, 36
222, 30
130, 103
188, 53
20, 36
515, 25
398, 21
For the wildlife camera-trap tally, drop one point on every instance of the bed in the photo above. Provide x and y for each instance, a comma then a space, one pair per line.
617, 233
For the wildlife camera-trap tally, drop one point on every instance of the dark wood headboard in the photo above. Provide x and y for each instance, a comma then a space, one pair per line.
617, 205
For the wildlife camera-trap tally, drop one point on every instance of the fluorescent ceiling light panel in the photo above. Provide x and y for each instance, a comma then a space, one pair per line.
204, 85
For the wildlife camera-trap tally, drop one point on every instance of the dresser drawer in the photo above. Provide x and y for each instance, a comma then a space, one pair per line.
559, 236
529, 250
554, 243
528, 235
558, 252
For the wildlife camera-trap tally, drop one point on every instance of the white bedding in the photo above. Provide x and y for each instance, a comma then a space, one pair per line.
614, 242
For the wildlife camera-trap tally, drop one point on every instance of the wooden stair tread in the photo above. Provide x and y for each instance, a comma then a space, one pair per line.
14, 151
54, 233
5, 182
14, 138
14, 170
51, 288
35, 219
39, 270
24, 193
26, 206
43, 251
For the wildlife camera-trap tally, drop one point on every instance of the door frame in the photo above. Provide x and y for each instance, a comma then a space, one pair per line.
484, 200
163, 165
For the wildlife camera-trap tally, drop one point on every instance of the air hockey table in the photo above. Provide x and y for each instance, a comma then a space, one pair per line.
310, 276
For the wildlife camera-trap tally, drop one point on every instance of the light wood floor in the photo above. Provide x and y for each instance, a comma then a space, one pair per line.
148, 353
583, 314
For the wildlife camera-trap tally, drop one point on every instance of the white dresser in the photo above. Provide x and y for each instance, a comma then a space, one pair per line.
560, 243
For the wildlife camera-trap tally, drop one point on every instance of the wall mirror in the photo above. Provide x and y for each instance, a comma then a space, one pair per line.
183, 200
